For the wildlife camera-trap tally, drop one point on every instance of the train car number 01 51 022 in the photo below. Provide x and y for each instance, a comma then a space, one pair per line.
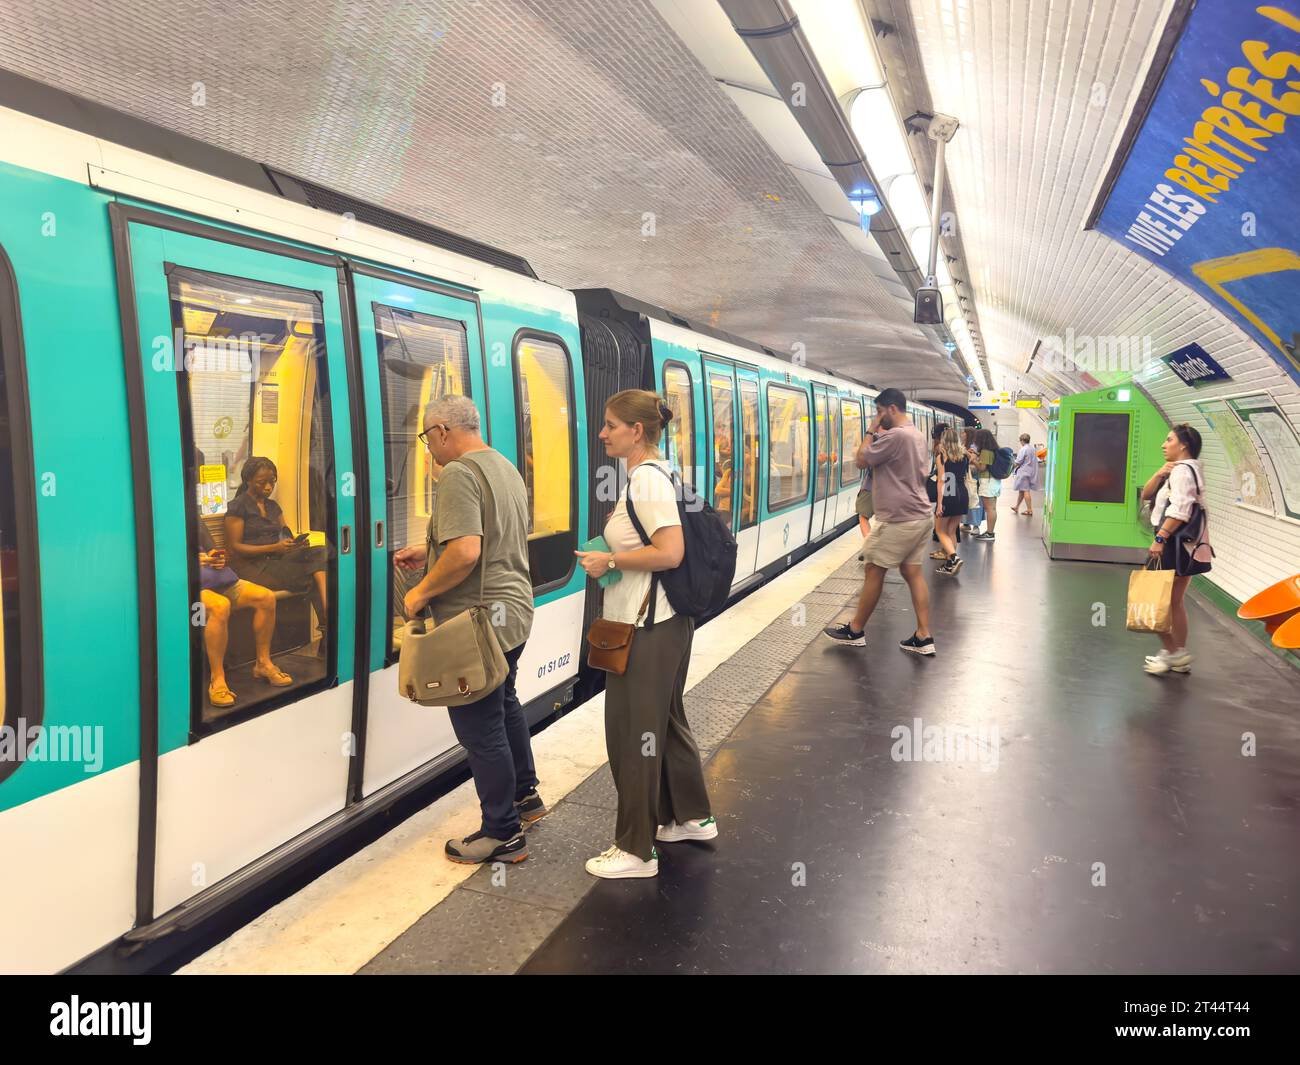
553, 665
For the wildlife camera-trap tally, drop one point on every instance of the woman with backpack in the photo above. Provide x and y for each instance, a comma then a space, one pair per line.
1178, 489
988, 485
653, 756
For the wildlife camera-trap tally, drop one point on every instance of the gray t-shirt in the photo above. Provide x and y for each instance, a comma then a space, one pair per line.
458, 511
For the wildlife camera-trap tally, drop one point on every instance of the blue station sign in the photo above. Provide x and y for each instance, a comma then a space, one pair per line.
1208, 190
1194, 366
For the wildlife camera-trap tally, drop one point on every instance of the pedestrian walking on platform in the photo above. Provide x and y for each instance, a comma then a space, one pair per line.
899, 458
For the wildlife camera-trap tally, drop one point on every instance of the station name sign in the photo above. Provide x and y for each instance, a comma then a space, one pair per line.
1194, 366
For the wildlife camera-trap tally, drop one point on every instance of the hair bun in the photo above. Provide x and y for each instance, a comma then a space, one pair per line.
665, 412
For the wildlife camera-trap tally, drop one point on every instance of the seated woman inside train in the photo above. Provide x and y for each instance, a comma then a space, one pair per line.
265, 549
222, 591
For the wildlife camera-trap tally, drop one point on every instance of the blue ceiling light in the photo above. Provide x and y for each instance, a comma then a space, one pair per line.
867, 202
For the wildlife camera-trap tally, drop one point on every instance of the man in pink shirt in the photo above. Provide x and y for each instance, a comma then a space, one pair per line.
895, 451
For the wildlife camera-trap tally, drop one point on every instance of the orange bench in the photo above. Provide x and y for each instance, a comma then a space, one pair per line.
1278, 606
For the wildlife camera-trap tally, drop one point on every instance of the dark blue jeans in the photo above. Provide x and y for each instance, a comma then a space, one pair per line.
495, 733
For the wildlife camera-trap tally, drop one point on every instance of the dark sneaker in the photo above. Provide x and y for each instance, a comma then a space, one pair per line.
530, 809
844, 634
950, 567
478, 848
984, 536
917, 646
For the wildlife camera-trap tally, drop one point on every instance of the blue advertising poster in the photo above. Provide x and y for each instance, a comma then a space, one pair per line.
1210, 187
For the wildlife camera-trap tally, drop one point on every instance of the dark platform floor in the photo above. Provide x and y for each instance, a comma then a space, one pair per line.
952, 866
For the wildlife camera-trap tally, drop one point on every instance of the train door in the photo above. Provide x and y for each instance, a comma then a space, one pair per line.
725, 460
851, 438
417, 342
822, 455
833, 515
246, 500
750, 473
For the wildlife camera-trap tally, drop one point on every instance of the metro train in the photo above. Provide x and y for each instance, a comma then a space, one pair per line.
169, 310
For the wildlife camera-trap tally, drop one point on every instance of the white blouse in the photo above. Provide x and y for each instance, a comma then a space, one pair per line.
655, 500
1181, 490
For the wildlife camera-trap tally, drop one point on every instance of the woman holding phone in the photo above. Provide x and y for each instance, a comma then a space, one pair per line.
653, 755
265, 550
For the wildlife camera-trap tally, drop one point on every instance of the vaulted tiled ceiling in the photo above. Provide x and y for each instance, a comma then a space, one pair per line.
552, 129
1043, 89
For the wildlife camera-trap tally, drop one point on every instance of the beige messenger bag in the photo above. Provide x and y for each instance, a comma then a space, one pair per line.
459, 661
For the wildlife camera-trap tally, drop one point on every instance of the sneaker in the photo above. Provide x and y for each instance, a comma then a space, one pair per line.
950, 567
917, 646
844, 634
984, 536
1165, 662
530, 809
478, 848
615, 864
706, 828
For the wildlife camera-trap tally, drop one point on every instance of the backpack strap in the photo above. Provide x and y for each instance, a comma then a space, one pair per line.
640, 531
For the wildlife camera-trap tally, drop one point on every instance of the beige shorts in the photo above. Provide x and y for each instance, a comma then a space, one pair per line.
863, 504
902, 543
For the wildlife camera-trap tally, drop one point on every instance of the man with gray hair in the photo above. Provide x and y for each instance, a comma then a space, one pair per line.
474, 535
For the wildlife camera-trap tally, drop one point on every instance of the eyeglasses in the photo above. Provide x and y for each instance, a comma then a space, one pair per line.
424, 436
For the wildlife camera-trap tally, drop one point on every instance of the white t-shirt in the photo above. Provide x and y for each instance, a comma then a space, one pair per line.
655, 500
1180, 492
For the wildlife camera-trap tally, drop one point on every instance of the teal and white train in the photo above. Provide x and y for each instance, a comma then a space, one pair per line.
167, 311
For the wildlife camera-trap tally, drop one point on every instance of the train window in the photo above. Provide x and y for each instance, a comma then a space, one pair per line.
787, 453
421, 358
823, 444
254, 398
749, 469
681, 430
544, 384
723, 395
851, 411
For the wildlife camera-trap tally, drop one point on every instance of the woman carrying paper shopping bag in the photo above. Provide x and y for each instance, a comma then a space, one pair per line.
1180, 542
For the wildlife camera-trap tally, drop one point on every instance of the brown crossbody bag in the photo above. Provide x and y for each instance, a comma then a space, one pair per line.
609, 643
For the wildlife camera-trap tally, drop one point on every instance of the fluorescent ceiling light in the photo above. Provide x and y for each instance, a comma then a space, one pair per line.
875, 124
906, 200
919, 241
839, 38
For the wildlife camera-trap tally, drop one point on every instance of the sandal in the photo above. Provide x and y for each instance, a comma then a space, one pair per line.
939, 556
220, 695
276, 677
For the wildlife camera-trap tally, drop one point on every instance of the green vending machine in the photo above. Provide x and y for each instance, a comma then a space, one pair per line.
1102, 446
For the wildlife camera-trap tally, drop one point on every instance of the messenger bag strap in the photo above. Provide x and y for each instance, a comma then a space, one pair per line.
487, 494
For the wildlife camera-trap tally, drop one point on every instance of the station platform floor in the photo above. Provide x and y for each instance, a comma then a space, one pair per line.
1026, 801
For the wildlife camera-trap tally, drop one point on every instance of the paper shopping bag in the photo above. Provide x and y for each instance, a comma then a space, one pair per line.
1150, 593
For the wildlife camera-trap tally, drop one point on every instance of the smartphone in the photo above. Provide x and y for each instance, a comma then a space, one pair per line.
302, 538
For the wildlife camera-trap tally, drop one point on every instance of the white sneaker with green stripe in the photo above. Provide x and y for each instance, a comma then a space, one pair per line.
705, 828
616, 864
